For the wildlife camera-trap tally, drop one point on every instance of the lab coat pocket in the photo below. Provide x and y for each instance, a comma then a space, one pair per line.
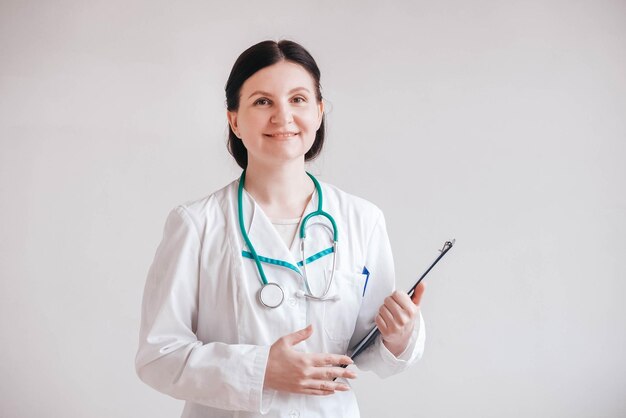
341, 313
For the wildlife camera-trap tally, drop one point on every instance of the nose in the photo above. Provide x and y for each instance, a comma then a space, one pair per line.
282, 114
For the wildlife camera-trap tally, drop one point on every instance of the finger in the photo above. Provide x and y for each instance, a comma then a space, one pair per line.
325, 385
320, 360
298, 336
399, 316
419, 291
317, 392
404, 301
332, 373
381, 324
387, 315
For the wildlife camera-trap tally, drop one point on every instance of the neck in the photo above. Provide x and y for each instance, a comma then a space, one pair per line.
283, 191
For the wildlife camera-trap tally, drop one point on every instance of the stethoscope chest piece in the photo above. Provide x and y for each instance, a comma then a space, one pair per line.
271, 295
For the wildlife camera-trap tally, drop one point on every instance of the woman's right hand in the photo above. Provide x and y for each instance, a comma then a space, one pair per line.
289, 370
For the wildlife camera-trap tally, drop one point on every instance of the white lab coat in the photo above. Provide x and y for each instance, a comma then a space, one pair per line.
205, 338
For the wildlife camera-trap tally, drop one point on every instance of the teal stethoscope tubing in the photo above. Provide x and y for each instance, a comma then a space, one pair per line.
318, 212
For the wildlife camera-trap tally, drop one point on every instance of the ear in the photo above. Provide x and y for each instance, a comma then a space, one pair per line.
232, 121
320, 113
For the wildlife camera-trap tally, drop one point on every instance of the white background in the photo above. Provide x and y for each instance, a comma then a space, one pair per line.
501, 124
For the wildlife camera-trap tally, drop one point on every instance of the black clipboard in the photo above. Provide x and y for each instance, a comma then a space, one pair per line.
371, 336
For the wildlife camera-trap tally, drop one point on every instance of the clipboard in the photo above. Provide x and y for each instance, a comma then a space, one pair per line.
371, 336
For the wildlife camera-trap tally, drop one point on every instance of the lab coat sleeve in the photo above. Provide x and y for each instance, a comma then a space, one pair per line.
380, 284
170, 358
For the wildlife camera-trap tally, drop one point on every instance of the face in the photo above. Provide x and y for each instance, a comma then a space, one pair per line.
278, 114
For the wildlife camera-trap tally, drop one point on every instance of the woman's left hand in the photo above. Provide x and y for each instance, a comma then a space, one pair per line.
396, 319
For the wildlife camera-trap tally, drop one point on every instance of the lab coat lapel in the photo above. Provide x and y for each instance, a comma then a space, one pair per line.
263, 235
268, 243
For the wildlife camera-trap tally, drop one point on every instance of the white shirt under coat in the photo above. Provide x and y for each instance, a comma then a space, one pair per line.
205, 337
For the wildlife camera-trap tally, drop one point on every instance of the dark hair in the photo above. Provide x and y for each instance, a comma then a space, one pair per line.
255, 58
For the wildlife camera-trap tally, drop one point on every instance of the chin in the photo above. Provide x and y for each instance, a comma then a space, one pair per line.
279, 158
288, 151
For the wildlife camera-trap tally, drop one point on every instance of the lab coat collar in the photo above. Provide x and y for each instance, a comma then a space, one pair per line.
268, 243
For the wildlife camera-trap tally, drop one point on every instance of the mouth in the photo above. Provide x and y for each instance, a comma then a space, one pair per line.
282, 135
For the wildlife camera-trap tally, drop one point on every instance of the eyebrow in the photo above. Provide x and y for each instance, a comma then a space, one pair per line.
264, 93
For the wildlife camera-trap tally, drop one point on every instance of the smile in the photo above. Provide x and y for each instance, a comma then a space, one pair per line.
282, 135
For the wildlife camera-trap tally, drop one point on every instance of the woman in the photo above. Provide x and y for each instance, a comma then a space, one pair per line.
233, 321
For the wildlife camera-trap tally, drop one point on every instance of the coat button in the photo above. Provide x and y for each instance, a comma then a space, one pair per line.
292, 302
294, 413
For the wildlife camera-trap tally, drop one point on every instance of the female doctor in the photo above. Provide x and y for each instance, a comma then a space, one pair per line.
239, 317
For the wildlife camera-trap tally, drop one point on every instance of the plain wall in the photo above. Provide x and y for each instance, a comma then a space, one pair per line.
500, 124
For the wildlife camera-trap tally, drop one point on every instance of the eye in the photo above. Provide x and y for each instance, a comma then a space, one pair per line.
261, 101
299, 99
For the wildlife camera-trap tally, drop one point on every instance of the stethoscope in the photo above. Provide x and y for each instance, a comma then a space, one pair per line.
271, 294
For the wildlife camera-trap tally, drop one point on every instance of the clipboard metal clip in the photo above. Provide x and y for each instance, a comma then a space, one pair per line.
447, 245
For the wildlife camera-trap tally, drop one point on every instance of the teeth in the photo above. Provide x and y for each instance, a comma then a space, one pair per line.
283, 135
